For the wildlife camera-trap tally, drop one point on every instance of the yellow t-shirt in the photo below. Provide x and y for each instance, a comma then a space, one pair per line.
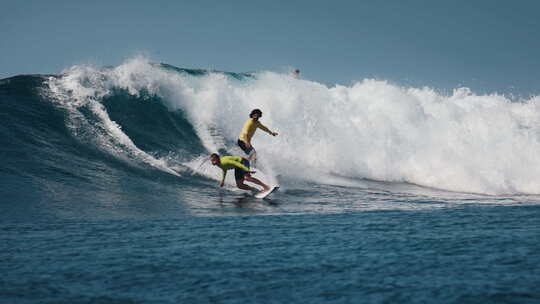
249, 129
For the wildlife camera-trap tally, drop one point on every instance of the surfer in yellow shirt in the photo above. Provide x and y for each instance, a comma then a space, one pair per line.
249, 128
241, 171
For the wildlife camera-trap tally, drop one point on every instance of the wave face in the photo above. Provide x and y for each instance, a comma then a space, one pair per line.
141, 120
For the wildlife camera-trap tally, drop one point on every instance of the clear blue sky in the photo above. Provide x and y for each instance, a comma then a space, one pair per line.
487, 45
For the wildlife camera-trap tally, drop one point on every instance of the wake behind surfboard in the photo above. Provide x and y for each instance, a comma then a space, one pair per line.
263, 194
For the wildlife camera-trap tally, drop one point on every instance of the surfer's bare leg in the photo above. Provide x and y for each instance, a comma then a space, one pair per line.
256, 181
253, 158
240, 184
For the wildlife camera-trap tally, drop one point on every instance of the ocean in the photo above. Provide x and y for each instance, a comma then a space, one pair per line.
388, 194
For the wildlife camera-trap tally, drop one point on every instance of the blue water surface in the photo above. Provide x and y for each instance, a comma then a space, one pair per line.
470, 254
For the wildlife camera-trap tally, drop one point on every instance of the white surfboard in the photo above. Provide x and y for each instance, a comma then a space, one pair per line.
263, 194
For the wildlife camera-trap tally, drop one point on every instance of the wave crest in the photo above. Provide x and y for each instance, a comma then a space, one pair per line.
372, 129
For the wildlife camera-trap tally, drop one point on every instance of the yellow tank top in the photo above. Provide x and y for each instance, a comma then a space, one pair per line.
249, 128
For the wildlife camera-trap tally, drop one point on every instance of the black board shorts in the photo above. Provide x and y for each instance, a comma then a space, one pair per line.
242, 146
239, 174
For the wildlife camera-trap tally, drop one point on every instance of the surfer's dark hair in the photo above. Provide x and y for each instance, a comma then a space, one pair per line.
214, 155
256, 111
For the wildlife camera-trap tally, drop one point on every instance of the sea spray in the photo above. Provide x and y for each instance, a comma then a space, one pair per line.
372, 129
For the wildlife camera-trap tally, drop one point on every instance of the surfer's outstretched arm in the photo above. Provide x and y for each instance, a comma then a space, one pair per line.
264, 128
223, 178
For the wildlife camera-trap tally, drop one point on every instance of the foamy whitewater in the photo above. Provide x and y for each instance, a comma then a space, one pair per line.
388, 194
373, 129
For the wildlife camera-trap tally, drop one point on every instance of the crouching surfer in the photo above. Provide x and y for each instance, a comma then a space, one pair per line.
241, 171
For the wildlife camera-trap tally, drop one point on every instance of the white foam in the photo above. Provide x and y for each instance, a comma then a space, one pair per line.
85, 86
371, 129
